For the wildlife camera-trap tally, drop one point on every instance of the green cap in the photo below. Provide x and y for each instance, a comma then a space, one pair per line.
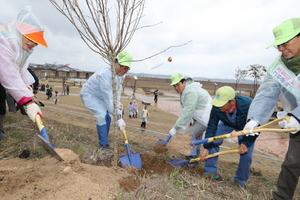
286, 31
175, 78
124, 59
223, 95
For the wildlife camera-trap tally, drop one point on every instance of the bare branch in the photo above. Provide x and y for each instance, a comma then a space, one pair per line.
162, 51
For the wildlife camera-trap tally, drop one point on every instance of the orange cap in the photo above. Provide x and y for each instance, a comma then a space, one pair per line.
37, 37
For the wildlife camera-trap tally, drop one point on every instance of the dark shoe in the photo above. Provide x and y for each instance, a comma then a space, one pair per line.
106, 147
2, 136
192, 164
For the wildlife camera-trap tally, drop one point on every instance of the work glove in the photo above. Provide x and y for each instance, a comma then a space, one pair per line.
250, 126
293, 123
172, 132
121, 123
32, 109
281, 114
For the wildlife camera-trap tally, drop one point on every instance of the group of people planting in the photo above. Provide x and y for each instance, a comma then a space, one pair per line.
213, 117
230, 112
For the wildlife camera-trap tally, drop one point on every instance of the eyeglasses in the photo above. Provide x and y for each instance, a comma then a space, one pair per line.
124, 68
283, 44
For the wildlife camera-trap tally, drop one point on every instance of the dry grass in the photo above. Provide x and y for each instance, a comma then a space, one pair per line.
178, 185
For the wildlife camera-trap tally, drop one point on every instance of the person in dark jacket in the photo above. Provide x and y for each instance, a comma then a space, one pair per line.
229, 113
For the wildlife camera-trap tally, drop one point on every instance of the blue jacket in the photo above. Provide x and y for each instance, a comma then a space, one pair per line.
242, 106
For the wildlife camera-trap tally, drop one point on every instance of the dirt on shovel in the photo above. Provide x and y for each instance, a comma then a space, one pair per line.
160, 149
180, 144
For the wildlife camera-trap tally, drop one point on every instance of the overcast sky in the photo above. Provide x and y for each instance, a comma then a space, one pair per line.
225, 34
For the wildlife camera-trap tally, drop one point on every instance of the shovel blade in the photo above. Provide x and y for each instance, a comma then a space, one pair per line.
132, 159
49, 148
163, 142
177, 162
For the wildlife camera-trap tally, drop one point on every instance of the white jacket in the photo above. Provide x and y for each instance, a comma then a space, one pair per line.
14, 75
195, 102
272, 89
97, 93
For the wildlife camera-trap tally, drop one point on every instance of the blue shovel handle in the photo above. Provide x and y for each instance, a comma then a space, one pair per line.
199, 142
168, 138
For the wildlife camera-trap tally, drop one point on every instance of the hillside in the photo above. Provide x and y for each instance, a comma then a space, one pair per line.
88, 173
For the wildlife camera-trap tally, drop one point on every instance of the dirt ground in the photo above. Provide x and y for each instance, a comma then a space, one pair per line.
49, 178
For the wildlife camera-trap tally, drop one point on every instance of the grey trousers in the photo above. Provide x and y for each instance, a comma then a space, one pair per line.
199, 131
290, 170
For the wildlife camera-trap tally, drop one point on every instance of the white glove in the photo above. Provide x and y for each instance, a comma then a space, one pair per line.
250, 126
172, 132
32, 110
121, 123
293, 123
281, 114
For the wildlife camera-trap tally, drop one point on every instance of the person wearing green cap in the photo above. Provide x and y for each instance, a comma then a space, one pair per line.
282, 83
97, 95
195, 103
229, 113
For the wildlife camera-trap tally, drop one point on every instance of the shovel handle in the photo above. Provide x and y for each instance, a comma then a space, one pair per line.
39, 122
287, 118
124, 134
232, 150
222, 152
245, 132
41, 127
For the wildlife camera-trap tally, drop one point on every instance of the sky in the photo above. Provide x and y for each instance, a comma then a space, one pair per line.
224, 35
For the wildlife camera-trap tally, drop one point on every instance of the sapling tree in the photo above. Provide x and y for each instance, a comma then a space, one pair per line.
240, 75
257, 72
106, 32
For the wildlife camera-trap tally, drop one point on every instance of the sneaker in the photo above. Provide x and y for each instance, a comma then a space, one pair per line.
212, 175
106, 147
193, 164
240, 184
2, 136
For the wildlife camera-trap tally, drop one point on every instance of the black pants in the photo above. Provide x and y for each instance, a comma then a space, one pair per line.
2, 100
290, 170
143, 124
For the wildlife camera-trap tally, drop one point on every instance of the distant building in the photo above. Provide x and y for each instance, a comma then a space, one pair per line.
59, 71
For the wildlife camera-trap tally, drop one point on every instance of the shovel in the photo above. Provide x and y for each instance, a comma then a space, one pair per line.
38, 102
163, 142
245, 132
132, 159
44, 138
178, 162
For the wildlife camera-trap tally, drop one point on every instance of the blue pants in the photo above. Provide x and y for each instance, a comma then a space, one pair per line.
242, 173
103, 131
